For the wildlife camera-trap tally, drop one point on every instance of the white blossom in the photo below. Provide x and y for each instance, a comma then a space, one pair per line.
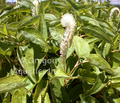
112, 11
35, 9
67, 21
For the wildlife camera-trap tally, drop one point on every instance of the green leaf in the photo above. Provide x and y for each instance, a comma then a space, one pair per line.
110, 96
90, 20
34, 36
82, 51
3, 48
28, 20
59, 73
9, 12
97, 32
73, 4
115, 81
4, 29
7, 98
50, 17
57, 33
100, 83
88, 99
3, 2
40, 90
94, 11
75, 92
86, 75
27, 62
115, 57
26, 3
106, 49
98, 61
53, 49
43, 27
12, 27
41, 74
11, 82
19, 96
58, 93
47, 99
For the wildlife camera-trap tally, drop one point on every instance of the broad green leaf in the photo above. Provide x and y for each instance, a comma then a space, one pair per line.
9, 12
59, 73
50, 17
73, 4
0, 65
100, 83
7, 98
94, 11
56, 3
85, 6
98, 61
106, 49
86, 75
29, 87
34, 36
90, 20
19, 96
3, 2
41, 74
88, 99
40, 90
4, 29
115, 81
25, 3
4, 49
109, 32
29, 21
110, 96
97, 32
38, 55
27, 62
58, 93
12, 27
24, 20
82, 51
53, 49
115, 57
91, 39
11, 82
4, 20
115, 39
56, 33
47, 99
75, 92
43, 27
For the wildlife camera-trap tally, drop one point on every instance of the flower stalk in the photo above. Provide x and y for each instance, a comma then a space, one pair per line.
35, 9
67, 21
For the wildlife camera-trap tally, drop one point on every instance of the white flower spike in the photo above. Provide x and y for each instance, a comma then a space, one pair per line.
114, 9
67, 21
35, 9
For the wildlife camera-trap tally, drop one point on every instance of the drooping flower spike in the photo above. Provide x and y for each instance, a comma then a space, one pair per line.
67, 21
114, 9
35, 9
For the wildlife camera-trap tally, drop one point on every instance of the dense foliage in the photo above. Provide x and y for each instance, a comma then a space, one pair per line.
31, 69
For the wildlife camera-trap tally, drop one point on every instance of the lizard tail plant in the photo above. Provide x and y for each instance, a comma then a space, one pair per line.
35, 9
114, 9
67, 21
